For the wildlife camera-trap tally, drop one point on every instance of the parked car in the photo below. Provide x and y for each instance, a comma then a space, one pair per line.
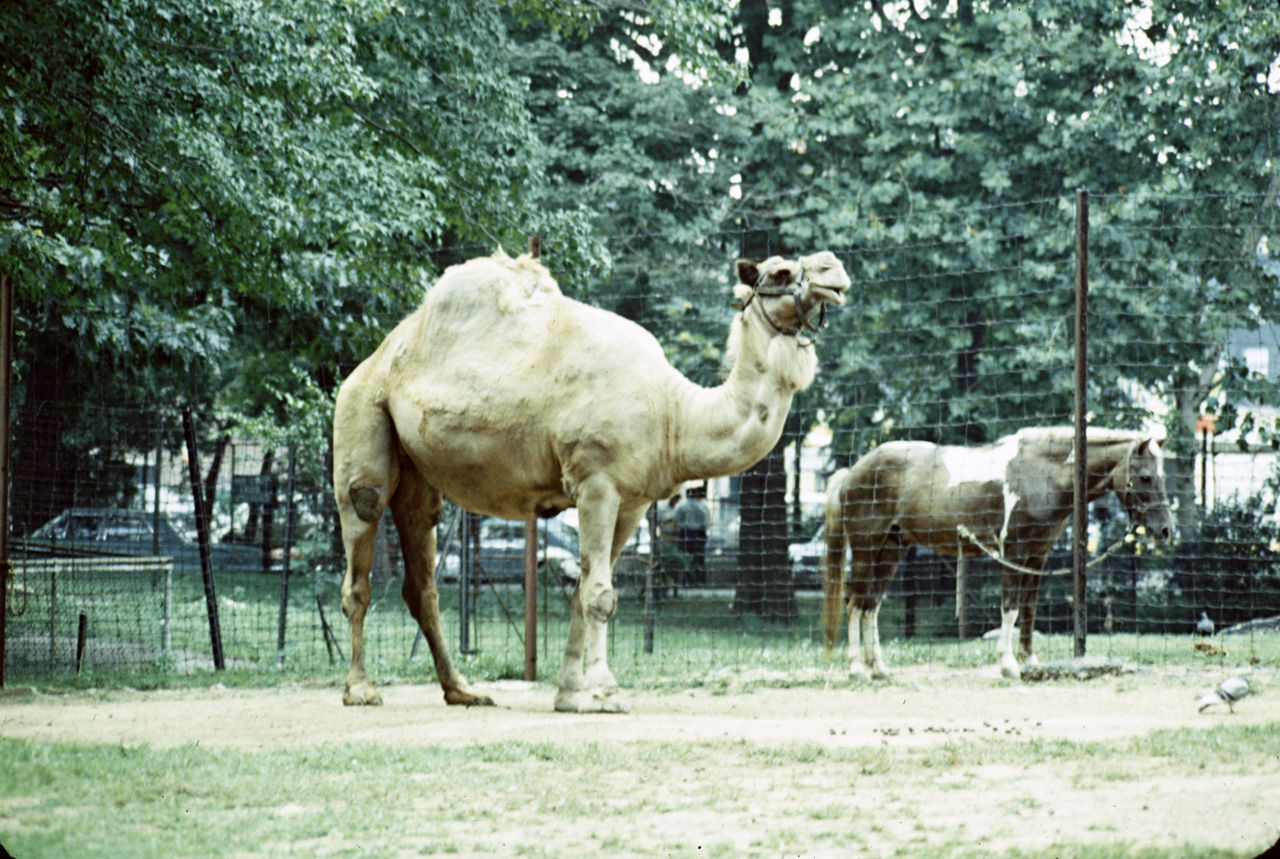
806, 560
501, 556
130, 532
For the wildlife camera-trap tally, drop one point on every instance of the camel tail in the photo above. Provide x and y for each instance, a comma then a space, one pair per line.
833, 562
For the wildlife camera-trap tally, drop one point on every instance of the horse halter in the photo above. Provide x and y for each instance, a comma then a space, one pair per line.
795, 290
1134, 501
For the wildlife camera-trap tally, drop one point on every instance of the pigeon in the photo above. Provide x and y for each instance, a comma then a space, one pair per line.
1228, 692
1204, 626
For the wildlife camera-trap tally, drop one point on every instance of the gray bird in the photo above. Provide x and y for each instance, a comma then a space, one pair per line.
1204, 626
1228, 692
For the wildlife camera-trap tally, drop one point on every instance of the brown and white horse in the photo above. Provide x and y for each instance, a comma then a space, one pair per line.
1013, 497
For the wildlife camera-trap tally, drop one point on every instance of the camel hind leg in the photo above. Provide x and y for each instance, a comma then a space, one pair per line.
416, 508
365, 474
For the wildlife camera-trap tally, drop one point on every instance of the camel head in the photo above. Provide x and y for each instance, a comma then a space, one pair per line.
792, 294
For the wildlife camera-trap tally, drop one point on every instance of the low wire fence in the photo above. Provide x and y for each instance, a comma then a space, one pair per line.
957, 330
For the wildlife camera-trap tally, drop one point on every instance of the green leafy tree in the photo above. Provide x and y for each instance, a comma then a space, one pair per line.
200, 198
919, 136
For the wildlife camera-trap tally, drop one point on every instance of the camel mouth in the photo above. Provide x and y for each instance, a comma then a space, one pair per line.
832, 293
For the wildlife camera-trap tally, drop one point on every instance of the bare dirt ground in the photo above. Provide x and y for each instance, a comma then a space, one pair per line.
1029, 804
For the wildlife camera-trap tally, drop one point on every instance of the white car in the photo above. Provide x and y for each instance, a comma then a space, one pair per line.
501, 557
806, 560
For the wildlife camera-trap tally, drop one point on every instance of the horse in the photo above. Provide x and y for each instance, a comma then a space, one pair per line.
1011, 500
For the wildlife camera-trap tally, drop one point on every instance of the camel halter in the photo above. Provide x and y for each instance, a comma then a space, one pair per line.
794, 290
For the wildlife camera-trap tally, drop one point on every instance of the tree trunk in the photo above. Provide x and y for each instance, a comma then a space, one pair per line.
43, 470
1180, 470
215, 469
765, 587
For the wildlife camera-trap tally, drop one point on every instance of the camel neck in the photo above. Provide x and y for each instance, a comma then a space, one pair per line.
727, 429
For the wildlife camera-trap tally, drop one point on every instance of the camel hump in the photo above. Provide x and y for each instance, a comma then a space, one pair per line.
490, 284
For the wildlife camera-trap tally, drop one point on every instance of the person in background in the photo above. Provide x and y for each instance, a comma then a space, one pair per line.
691, 519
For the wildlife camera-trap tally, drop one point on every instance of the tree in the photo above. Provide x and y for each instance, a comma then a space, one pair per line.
868, 116
179, 177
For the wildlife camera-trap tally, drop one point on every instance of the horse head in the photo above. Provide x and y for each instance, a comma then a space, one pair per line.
1138, 482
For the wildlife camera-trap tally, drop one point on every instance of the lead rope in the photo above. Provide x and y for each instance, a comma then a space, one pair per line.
966, 534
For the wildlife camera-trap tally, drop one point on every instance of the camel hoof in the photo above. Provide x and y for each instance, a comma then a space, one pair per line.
362, 695
589, 702
467, 699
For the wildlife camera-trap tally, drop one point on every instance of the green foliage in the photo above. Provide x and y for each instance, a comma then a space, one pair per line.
1231, 567
868, 117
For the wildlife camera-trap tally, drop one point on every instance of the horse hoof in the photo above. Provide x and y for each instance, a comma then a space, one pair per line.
589, 702
467, 699
1010, 672
362, 695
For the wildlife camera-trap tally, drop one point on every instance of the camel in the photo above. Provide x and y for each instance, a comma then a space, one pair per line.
511, 400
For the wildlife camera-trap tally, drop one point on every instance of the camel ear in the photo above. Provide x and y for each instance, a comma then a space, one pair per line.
825, 269
748, 272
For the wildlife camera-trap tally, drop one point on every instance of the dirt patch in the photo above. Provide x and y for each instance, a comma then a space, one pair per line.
910, 797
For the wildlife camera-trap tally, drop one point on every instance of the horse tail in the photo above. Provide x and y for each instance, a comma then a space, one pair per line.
833, 562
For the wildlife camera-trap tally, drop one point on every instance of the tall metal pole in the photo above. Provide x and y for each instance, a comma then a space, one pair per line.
531, 562
288, 547
1080, 521
6, 363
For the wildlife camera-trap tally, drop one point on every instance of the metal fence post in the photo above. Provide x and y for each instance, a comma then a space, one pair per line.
531, 562
1080, 519
6, 361
288, 546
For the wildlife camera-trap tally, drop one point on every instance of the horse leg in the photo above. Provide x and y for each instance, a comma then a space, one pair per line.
1028, 596
416, 508
1009, 601
592, 606
366, 473
872, 580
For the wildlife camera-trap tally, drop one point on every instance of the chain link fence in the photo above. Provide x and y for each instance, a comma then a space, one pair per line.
957, 330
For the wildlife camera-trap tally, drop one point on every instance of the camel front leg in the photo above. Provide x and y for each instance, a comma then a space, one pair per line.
594, 603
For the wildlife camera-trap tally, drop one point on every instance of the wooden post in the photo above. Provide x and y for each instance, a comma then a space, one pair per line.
531, 562
1080, 520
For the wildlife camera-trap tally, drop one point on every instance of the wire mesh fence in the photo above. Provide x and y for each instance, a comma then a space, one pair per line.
957, 330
